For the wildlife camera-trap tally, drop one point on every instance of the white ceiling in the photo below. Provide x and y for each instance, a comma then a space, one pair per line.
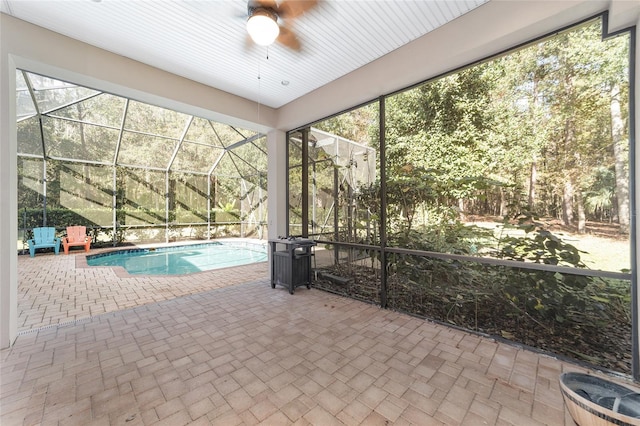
206, 41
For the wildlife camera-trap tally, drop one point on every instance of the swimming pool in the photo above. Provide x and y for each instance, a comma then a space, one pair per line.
185, 259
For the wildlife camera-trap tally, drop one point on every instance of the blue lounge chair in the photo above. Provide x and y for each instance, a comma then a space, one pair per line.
44, 238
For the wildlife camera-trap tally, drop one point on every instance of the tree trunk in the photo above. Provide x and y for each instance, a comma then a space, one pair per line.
568, 170
461, 213
621, 157
567, 203
582, 219
533, 180
503, 203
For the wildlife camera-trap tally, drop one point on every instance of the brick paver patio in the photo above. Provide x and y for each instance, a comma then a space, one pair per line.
58, 289
249, 354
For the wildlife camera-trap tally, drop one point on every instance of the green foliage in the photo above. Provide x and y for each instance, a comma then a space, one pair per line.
226, 212
538, 245
539, 308
599, 195
454, 237
408, 188
60, 218
420, 192
441, 124
358, 125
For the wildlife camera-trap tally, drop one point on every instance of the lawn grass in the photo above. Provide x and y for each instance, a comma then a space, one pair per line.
604, 251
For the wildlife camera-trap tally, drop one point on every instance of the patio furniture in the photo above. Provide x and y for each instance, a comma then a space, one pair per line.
76, 236
44, 237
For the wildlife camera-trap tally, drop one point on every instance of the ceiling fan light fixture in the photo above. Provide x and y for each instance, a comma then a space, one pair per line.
262, 26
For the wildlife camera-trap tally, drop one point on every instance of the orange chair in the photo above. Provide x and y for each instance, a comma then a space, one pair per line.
76, 236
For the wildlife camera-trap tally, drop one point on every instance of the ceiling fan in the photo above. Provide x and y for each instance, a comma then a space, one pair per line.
263, 17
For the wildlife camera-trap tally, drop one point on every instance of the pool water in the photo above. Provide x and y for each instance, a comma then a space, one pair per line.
181, 259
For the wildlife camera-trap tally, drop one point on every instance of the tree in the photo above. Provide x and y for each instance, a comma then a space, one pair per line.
442, 126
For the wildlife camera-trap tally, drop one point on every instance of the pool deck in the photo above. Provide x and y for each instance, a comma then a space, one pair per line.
60, 289
223, 347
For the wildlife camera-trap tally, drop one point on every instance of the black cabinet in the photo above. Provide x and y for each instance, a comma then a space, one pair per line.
291, 262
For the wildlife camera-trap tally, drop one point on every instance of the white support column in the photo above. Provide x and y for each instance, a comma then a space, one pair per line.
277, 183
8, 204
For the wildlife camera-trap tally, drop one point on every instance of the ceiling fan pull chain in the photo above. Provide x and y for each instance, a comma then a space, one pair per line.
259, 90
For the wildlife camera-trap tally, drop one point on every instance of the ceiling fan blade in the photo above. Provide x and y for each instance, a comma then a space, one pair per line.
293, 8
248, 43
288, 38
270, 4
